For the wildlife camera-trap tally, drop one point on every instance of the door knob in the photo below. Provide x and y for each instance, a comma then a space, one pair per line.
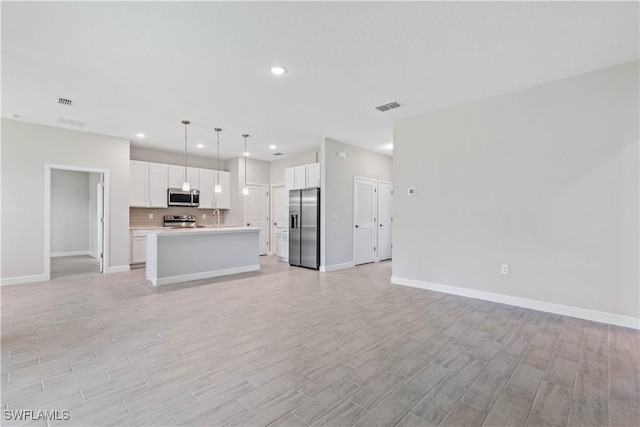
248, 224
357, 226
380, 225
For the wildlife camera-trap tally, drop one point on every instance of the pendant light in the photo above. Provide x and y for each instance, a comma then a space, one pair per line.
218, 187
245, 189
186, 186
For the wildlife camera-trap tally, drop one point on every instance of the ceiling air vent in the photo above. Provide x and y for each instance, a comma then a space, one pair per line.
277, 154
71, 122
388, 106
66, 101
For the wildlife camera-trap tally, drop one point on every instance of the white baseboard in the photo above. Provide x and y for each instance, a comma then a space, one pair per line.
335, 267
118, 269
203, 275
23, 279
71, 253
566, 310
93, 254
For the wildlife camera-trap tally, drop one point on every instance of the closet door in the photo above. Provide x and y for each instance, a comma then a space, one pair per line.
364, 217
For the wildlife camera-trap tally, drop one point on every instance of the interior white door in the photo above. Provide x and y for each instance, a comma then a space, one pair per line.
364, 220
279, 211
385, 203
100, 220
256, 213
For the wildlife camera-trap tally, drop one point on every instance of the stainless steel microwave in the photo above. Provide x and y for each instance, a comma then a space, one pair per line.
178, 197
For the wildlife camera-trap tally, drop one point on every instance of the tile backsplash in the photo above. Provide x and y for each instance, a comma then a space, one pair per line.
139, 217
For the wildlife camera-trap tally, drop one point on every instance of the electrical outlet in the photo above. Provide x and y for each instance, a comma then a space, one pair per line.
504, 269
411, 191
204, 216
150, 216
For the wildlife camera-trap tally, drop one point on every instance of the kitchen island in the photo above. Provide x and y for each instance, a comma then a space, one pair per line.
180, 255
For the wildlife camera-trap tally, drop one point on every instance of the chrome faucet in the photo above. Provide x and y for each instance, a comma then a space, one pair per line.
216, 212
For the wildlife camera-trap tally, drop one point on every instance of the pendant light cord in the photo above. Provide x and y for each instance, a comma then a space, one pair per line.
186, 124
245, 159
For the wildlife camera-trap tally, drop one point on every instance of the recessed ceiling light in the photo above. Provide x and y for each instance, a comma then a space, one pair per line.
15, 116
278, 70
246, 153
273, 147
140, 135
200, 145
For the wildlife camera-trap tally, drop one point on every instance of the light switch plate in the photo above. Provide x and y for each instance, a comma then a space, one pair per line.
150, 216
411, 191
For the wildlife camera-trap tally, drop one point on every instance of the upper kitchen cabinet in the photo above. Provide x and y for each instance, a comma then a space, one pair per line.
147, 184
207, 179
158, 184
209, 199
222, 199
299, 177
176, 177
313, 175
138, 184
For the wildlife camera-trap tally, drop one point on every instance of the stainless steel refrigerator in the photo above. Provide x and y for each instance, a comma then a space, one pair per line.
304, 228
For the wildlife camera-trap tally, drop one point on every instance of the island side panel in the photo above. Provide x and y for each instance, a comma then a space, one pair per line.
151, 265
193, 256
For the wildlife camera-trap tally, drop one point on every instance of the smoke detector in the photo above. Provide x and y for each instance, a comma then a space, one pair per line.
388, 106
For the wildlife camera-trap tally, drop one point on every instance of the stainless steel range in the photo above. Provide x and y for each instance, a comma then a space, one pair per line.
181, 221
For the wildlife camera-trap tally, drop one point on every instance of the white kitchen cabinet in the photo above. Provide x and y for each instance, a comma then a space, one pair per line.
299, 177
148, 184
222, 199
282, 246
138, 184
158, 184
313, 175
207, 179
289, 184
138, 252
176, 177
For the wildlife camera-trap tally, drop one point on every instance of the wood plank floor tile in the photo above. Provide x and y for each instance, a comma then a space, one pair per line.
289, 346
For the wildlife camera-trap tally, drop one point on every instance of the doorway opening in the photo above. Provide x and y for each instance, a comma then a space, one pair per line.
75, 221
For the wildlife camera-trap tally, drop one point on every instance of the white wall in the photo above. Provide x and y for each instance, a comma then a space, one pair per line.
70, 209
336, 205
278, 166
544, 180
258, 172
26, 148
171, 158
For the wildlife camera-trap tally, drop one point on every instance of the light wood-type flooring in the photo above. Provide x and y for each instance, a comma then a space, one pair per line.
294, 347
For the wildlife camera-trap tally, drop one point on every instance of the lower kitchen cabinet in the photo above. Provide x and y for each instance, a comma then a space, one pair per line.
282, 246
138, 252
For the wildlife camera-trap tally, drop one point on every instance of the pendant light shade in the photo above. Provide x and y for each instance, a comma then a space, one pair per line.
186, 185
245, 189
218, 187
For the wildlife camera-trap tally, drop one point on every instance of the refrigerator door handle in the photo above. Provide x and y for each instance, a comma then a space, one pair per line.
292, 221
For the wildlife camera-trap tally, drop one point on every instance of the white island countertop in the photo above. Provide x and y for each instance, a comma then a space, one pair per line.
201, 230
181, 254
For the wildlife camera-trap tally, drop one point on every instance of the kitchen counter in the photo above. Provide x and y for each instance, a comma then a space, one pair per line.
180, 255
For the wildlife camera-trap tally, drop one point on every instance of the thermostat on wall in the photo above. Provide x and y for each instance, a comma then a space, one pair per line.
411, 191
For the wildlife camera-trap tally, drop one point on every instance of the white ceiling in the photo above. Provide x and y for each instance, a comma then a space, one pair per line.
143, 67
